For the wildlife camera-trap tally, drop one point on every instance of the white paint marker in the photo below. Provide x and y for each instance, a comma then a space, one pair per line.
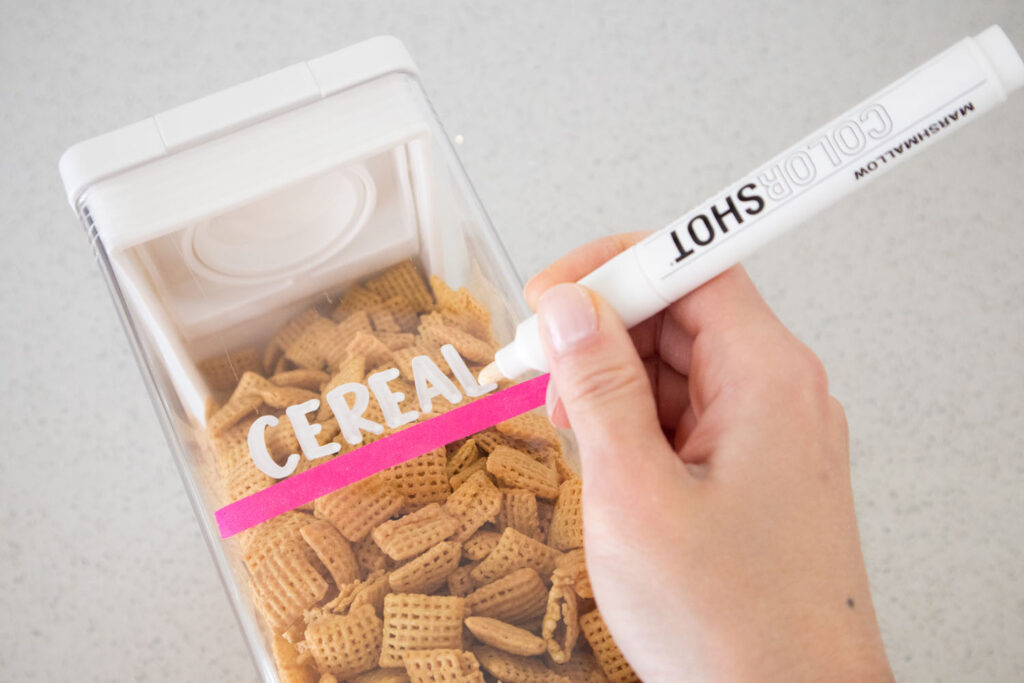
925, 106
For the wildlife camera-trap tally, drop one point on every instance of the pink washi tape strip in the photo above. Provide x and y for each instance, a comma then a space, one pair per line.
380, 455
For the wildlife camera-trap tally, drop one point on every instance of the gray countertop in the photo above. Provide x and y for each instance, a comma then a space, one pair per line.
576, 120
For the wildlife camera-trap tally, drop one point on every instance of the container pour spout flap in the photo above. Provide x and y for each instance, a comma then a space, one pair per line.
294, 229
224, 217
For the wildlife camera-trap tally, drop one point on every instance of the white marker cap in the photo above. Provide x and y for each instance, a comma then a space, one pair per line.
1002, 56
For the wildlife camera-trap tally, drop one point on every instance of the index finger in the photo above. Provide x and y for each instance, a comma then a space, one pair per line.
579, 262
727, 314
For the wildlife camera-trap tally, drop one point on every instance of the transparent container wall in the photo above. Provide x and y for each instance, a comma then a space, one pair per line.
196, 286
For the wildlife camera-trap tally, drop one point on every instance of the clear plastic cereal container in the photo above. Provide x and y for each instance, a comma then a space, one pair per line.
311, 287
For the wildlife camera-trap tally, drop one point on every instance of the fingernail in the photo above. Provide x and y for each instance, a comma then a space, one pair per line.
558, 416
568, 316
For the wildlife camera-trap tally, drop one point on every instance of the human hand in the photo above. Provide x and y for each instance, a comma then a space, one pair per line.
719, 524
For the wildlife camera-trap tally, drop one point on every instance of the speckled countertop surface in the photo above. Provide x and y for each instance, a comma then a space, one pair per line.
577, 119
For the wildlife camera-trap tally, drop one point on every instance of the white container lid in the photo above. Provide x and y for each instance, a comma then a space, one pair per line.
224, 216
261, 98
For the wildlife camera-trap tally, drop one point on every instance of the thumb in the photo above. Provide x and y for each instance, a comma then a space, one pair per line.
605, 392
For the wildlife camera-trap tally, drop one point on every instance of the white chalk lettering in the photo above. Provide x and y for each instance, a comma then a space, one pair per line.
431, 382
349, 403
261, 456
305, 433
390, 400
350, 417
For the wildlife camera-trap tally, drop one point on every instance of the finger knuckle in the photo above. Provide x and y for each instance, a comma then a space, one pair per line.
839, 418
603, 385
813, 370
805, 374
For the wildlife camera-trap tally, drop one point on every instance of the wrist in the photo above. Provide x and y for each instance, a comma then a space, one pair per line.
844, 647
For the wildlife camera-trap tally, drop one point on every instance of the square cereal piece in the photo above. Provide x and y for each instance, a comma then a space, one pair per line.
464, 456
282, 365
223, 372
513, 668
504, 636
244, 480
404, 280
607, 653
464, 475
262, 540
346, 645
302, 379
564, 468
286, 584
403, 357
382, 676
333, 550
566, 529
410, 535
422, 480
352, 369
530, 427
282, 397
251, 384
401, 312
545, 511
429, 571
518, 470
573, 566
287, 335
384, 322
442, 666
229, 414
515, 550
231, 447
460, 583
334, 343
293, 329
480, 544
520, 508
367, 345
420, 622
359, 507
464, 320
561, 627
462, 304
281, 441
272, 394
307, 350
339, 604
475, 311
468, 346
491, 438
582, 668
446, 297
473, 504
356, 299
397, 340
542, 453
372, 591
457, 320
370, 557
517, 597
290, 668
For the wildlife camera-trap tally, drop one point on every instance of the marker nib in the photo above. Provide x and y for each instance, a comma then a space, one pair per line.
490, 374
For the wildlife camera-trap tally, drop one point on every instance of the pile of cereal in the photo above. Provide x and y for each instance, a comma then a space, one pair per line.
464, 564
